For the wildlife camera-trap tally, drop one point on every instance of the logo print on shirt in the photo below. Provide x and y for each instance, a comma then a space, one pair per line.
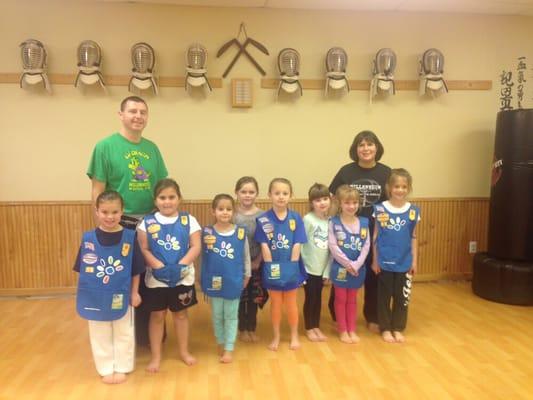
137, 170
170, 243
106, 269
281, 243
320, 238
396, 224
226, 250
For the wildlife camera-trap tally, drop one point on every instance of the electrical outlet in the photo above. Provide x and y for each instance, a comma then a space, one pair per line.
472, 247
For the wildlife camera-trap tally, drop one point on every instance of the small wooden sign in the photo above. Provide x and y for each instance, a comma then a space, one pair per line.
241, 93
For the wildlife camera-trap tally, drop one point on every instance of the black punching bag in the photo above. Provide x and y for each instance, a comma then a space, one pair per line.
511, 196
505, 273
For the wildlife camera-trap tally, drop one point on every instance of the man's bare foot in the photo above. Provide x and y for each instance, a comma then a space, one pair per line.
244, 336
320, 335
188, 359
354, 337
153, 365
274, 345
226, 357
311, 335
400, 338
344, 337
373, 327
295, 343
387, 336
108, 379
253, 337
119, 377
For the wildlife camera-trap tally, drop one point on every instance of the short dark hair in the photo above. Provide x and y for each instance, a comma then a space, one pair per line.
135, 99
222, 196
109, 195
165, 184
370, 137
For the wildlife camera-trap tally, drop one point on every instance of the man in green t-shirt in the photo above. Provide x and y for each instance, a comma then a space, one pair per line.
131, 165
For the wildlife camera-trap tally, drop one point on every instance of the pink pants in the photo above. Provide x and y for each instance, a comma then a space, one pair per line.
346, 309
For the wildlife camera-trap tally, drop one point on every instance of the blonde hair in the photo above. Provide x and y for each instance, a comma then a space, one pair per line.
284, 181
344, 193
399, 173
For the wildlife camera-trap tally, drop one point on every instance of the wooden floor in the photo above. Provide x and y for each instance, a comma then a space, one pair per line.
459, 347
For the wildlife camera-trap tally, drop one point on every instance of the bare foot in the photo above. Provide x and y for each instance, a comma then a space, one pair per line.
387, 336
108, 378
220, 349
274, 345
188, 359
400, 338
153, 366
295, 343
354, 337
119, 377
253, 337
244, 336
227, 357
344, 337
311, 335
320, 335
373, 327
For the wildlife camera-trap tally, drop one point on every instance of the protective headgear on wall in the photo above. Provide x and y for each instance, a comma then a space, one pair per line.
196, 59
383, 73
289, 70
89, 59
143, 60
33, 56
431, 70
336, 62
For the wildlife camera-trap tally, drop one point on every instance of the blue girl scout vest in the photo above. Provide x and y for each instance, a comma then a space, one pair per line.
169, 243
282, 273
394, 237
350, 244
223, 263
105, 278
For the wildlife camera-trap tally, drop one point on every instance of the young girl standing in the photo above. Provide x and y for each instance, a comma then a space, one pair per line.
226, 271
395, 254
349, 243
281, 232
109, 263
170, 241
253, 295
315, 255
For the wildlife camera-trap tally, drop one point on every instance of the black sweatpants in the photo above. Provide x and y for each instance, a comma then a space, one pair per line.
395, 286
313, 301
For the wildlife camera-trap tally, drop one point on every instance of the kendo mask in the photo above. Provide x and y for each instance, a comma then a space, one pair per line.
431, 72
196, 59
143, 61
289, 69
33, 56
336, 62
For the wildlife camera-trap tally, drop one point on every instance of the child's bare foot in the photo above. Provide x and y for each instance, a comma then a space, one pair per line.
108, 378
274, 345
295, 343
153, 366
311, 335
400, 338
188, 359
119, 377
373, 327
354, 337
220, 349
345, 338
387, 336
226, 357
321, 337
253, 337
244, 336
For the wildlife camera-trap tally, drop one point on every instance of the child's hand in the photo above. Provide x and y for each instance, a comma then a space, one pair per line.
412, 271
135, 299
326, 281
245, 283
375, 267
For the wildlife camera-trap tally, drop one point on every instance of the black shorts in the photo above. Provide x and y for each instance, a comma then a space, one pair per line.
175, 299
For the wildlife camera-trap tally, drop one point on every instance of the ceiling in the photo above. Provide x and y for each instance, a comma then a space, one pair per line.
493, 7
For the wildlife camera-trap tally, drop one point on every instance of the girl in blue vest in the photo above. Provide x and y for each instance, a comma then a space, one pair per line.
109, 263
170, 241
281, 233
349, 243
395, 254
226, 270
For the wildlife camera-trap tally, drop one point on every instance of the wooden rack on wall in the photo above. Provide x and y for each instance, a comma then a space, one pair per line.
318, 84
110, 80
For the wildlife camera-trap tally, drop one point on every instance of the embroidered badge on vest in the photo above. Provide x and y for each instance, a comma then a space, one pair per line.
363, 233
216, 283
89, 246
268, 228
184, 220
209, 241
292, 225
118, 302
125, 249
89, 258
154, 228
412, 214
341, 274
89, 270
383, 217
275, 271
240, 233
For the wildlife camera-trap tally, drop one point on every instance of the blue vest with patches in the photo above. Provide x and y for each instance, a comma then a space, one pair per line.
223, 263
395, 231
282, 273
169, 243
350, 244
104, 284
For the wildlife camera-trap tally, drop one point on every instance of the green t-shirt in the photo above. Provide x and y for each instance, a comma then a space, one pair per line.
132, 169
315, 252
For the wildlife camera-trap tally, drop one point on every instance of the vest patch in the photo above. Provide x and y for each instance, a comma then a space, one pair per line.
89, 258
118, 302
154, 228
125, 249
